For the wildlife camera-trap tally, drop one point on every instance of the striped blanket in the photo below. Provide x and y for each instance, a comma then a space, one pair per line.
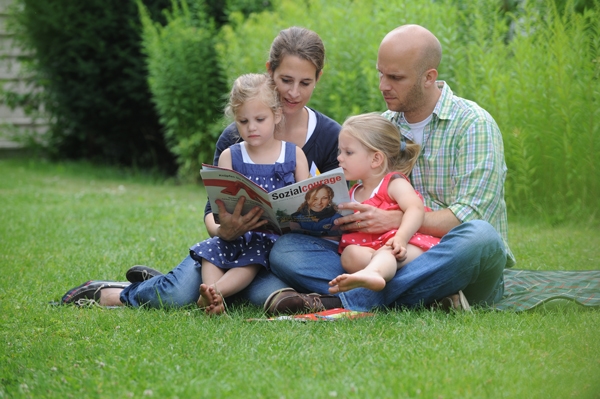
527, 289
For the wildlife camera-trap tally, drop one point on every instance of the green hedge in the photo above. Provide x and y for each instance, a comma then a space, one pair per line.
186, 82
93, 75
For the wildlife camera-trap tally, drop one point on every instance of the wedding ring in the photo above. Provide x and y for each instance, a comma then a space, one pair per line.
358, 225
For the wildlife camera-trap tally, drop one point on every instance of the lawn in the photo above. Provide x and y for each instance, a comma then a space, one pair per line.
62, 224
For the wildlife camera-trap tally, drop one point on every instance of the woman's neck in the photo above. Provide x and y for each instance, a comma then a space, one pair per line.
295, 128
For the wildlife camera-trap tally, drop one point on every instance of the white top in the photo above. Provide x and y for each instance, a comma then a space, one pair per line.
246, 158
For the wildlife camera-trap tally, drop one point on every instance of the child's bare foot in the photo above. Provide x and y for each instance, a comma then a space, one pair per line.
206, 298
363, 278
217, 306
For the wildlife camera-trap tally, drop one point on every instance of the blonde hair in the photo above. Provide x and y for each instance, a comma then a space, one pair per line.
378, 134
249, 87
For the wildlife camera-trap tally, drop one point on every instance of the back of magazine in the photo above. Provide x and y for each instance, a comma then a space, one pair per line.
228, 186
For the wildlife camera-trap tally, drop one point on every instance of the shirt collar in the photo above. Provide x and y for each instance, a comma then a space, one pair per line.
443, 107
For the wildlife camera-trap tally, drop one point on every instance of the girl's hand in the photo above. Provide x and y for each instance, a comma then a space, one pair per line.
234, 225
368, 219
398, 248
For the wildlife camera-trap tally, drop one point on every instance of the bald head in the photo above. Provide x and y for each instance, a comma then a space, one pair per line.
416, 42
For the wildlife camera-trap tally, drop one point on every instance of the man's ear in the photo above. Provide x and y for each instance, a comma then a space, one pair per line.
430, 77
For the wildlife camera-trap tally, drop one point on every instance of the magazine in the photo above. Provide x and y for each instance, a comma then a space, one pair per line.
308, 207
326, 315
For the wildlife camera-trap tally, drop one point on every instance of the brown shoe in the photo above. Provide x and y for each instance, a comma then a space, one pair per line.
288, 301
457, 302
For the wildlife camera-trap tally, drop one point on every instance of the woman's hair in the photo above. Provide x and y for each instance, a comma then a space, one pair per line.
301, 42
251, 86
305, 206
377, 133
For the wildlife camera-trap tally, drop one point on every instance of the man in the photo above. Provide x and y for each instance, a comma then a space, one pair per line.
460, 173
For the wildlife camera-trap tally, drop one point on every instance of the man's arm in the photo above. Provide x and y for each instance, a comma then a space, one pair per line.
438, 223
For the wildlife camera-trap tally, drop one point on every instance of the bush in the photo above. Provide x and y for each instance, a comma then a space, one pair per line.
186, 82
92, 74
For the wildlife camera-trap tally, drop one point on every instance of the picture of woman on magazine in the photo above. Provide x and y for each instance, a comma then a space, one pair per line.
316, 214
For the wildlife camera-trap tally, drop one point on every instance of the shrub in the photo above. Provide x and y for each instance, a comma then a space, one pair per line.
186, 82
92, 74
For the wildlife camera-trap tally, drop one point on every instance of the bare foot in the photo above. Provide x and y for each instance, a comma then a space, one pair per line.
210, 300
363, 278
217, 307
206, 298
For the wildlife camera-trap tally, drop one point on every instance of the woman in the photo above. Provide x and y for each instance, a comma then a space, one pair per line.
296, 61
316, 214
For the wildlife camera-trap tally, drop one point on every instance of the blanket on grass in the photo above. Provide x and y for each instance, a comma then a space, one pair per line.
527, 289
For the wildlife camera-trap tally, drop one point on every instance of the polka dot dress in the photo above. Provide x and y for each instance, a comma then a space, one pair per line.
382, 200
253, 247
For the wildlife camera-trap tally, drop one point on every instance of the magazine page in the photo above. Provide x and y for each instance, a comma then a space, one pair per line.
310, 206
228, 186
326, 315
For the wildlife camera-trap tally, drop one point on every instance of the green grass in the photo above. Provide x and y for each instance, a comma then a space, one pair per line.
61, 224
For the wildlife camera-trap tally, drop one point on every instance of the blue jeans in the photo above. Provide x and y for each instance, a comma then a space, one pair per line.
181, 287
471, 258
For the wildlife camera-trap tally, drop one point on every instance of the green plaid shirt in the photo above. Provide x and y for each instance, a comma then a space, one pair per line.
461, 165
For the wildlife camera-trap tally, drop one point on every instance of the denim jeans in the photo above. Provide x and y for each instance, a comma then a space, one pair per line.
181, 287
471, 257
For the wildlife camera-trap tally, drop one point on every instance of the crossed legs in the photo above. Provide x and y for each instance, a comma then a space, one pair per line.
222, 283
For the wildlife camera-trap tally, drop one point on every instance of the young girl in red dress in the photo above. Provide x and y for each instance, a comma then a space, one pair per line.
372, 151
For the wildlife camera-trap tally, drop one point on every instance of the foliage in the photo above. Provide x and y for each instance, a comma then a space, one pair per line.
543, 88
186, 82
64, 223
536, 70
92, 75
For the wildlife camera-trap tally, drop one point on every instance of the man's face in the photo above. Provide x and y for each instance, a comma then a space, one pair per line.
399, 82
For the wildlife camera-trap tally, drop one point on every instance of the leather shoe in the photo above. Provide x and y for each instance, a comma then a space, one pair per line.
288, 301
88, 293
139, 273
456, 302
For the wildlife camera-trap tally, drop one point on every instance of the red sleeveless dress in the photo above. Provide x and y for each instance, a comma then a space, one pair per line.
382, 200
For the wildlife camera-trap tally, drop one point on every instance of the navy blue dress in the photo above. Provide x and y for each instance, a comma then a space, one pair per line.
253, 247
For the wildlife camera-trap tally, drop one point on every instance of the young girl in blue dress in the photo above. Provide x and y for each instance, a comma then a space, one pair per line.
227, 267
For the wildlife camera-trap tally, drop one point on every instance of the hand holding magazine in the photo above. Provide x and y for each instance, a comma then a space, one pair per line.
307, 207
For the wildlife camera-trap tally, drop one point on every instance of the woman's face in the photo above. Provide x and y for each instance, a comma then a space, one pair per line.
319, 200
295, 80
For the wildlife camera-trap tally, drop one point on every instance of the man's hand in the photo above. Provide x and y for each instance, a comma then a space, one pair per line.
234, 225
368, 219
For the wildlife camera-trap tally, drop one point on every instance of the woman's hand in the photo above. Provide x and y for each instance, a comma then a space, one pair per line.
234, 225
368, 219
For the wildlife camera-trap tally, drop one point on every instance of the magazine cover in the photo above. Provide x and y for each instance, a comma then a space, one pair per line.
308, 207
